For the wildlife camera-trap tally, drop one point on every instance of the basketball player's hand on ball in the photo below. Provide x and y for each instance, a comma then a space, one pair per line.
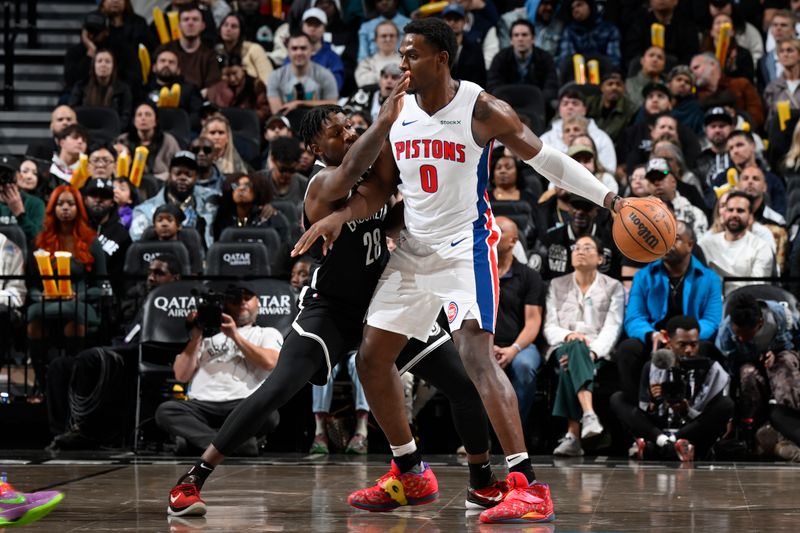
328, 228
390, 109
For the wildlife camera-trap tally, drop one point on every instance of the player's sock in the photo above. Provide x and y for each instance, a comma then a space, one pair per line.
480, 475
407, 457
197, 474
319, 420
520, 462
361, 422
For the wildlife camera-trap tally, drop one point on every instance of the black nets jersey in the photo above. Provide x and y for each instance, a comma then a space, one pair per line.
350, 271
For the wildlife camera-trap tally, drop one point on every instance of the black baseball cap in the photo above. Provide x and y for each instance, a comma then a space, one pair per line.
232, 288
184, 158
657, 169
579, 202
655, 86
8, 163
717, 114
103, 188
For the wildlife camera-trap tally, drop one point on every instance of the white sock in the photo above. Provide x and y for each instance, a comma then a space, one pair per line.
319, 419
515, 459
361, 423
404, 449
662, 440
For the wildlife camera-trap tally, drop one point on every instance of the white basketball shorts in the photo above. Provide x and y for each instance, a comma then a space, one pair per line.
459, 275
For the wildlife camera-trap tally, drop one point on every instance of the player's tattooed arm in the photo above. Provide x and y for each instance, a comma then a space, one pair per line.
333, 184
495, 119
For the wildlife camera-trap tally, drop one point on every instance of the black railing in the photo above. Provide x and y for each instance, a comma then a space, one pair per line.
11, 28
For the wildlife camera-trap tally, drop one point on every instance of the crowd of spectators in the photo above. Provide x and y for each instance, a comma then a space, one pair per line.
717, 142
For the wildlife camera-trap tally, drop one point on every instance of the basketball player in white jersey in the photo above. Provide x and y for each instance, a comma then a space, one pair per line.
438, 158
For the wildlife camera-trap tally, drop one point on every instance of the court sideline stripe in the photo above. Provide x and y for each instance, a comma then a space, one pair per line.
81, 478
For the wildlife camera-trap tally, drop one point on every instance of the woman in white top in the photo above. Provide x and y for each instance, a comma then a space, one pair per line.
368, 71
254, 58
585, 310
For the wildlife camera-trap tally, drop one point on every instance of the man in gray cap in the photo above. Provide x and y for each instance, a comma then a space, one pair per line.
199, 204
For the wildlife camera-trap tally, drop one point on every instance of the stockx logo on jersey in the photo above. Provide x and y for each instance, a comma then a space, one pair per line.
430, 149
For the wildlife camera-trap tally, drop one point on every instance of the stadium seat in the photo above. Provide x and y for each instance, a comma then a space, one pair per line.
191, 239
15, 234
102, 122
526, 100
277, 304
518, 211
238, 259
163, 335
276, 247
175, 121
244, 122
139, 255
293, 214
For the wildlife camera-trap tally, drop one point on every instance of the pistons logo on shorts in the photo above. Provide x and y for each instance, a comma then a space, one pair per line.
452, 311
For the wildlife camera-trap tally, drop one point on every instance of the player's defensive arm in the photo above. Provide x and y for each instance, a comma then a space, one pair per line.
370, 196
499, 120
336, 183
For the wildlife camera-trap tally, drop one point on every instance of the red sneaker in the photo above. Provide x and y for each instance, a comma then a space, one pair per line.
685, 450
487, 497
394, 489
185, 500
523, 503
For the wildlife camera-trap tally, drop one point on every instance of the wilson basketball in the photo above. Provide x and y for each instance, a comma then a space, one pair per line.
644, 230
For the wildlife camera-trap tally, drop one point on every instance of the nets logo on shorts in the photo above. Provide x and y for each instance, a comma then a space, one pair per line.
452, 311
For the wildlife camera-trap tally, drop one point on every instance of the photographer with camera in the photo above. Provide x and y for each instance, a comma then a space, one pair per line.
226, 359
683, 398
757, 339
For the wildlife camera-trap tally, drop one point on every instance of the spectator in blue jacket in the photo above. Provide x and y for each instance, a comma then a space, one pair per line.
315, 23
588, 34
676, 285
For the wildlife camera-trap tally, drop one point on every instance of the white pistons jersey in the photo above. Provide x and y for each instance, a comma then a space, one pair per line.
443, 172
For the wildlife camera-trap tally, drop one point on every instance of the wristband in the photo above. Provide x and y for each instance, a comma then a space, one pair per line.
517, 346
614, 203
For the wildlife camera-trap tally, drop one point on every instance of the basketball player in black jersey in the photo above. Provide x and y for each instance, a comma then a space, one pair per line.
330, 322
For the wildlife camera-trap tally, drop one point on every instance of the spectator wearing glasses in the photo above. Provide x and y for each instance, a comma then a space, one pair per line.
386, 10
369, 69
208, 174
242, 206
